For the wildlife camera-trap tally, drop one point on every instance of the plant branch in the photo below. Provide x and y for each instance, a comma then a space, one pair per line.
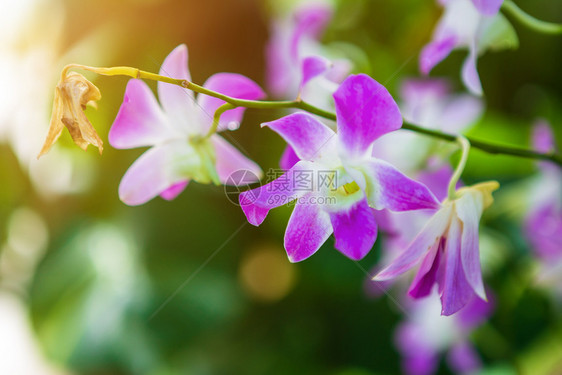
509, 7
300, 104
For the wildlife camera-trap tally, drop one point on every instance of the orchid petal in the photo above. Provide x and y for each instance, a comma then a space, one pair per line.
469, 209
422, 244
456, 291
178, 103
256, 203
542, 137
459, 112
233, 85
435, 52
543, 226
173, 191
280, 70
469, 73
476, 312
229, 160
310, 22
140, 121
289, 158
387, 187
427, 274
309, 138
355, 229
488, 7
154, 172
418, 357
437, 180
365, 111
308, 228
313, 66
464, 359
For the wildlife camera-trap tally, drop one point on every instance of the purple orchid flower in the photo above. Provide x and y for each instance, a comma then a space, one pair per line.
299, 66
543, 225
400, 227
447, 250
175, 132
295, 56
365, 111
425, 336
475, 25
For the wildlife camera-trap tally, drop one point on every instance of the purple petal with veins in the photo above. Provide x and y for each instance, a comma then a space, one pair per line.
308, 228
309, 138
365, 111
355, 229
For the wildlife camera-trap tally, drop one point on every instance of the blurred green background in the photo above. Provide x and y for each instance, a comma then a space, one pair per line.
188, 287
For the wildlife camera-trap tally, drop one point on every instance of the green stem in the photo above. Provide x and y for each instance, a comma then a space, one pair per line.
529, 21
216, 118
465, 148
300, 104
489, 147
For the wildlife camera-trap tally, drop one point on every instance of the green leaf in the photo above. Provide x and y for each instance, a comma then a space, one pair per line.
498, 35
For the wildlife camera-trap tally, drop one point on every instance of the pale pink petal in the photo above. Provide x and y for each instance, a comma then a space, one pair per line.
308, 228
418, 358
153, 172
422, 244
469, 73
178, 103
488, 7
256, 203
469, 209
310, 22
229, 160
437, 180
543, 228
309, 138
233, 85
456, 291
464, 359
339, 70
281, 74
355, 229
313, 66
365, 111
542, 137
140, 121
415, 92
460, 112
173, 191
435, 52
388, 188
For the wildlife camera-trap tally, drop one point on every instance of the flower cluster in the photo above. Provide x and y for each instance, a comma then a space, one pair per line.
472, 24
347, 173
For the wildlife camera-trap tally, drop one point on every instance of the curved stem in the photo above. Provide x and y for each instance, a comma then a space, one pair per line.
300, 104
216, 118
465, 148
529, 21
